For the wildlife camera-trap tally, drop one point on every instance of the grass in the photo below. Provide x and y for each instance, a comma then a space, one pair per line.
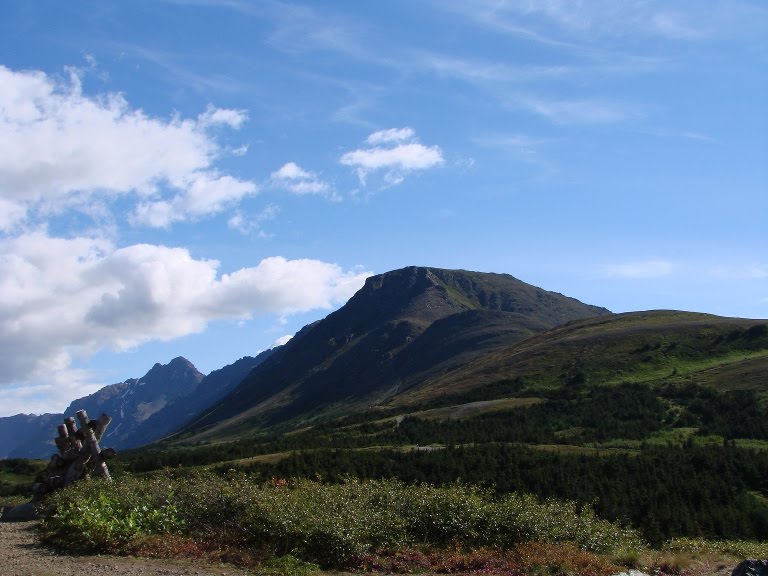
587, 450
673, 369
472, 409
635, 347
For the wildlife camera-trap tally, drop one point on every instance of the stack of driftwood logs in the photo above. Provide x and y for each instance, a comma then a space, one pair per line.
79, 454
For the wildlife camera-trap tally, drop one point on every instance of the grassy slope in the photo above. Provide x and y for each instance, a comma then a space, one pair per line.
657, 346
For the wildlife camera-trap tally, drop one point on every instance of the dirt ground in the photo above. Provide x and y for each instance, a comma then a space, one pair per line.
21, 555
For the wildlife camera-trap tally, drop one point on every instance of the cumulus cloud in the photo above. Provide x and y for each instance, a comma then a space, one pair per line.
62, 299
59, 145
638, 270
395, 153
296, 180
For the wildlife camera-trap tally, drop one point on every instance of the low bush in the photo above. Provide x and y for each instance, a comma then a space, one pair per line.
104, 516
330, 524
736, 548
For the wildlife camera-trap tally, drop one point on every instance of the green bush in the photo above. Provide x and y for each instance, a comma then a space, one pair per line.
331, 524
523, 518
737, 548
100, 516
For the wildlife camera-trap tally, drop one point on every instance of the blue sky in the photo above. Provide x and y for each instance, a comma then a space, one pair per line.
202, 178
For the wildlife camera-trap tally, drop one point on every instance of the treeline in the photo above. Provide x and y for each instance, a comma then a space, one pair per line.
678, 489
663, 492
576, 416
17, 475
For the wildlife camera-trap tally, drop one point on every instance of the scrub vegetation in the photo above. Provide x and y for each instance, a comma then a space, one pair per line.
345, 525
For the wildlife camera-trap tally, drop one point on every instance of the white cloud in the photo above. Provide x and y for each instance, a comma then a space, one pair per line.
253, 224
638, 270
223, 117
740, 272
301, 182
283, 340
62, 299
403, 156
577, 111
675, 27
50, 393
206, 193
11, 214
60, 146
391, 135
563, 22
523, 147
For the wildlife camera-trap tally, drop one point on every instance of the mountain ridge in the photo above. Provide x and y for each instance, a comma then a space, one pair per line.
143, 410
364, 352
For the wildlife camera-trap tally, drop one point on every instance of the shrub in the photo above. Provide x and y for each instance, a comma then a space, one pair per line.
737, 548
332, 525
100, 516
523, 518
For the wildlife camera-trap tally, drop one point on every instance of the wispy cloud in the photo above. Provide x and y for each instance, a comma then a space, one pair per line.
253, 224
585, 111
676, 27
476, 70
300, 182
743, 272
523, 147
639, 270
395, 153
176, 68
563, 23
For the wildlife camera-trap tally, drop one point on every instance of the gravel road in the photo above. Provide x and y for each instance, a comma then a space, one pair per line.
22, 555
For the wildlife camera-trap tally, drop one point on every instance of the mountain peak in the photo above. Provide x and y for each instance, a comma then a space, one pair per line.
400, 329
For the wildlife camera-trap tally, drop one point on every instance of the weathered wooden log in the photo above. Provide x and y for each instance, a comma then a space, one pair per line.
79, 453
76, 470
69, 422
101, 425
71, 455
82, 417
100, 467
72, 430
62, 443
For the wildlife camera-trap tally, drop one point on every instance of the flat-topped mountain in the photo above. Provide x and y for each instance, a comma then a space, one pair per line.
402, 328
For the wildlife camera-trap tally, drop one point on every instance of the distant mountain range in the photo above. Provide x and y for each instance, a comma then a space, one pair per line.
143, 410
408, 338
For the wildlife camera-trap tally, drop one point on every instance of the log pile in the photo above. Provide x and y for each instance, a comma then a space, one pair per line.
79, 454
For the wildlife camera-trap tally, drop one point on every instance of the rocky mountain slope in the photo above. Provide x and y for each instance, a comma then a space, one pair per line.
143, 410
132, 402
401, 329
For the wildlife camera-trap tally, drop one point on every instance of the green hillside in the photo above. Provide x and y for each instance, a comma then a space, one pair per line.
657, 419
